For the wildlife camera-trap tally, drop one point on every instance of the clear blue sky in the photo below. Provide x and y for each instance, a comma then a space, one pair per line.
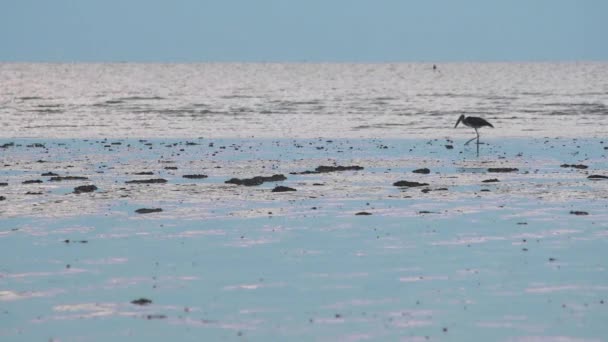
303, 30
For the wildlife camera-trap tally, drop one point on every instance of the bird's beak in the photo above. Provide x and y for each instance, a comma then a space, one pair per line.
457, 122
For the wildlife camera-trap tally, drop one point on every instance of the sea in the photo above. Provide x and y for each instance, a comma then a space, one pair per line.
301, 100
124, 215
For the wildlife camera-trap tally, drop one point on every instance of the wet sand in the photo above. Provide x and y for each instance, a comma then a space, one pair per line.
120, 239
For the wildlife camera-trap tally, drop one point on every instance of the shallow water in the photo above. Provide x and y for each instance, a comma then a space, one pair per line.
301, 100
465, 260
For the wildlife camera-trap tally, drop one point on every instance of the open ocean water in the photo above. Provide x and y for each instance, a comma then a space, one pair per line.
506, 244
300, 100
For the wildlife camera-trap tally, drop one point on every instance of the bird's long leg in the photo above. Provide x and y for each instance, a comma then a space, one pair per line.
476, 132
470, 141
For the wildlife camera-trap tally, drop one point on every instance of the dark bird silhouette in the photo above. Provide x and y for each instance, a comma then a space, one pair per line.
474, 122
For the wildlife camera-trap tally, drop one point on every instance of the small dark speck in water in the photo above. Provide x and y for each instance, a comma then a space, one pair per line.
141, 301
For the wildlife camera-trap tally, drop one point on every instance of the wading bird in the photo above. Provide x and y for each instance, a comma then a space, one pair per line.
474, 122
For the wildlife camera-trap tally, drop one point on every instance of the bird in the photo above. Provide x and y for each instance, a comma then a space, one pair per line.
474, 122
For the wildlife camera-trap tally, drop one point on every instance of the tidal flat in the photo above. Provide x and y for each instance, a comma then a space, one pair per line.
129, 239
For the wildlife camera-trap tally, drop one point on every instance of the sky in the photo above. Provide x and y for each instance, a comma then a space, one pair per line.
303, 30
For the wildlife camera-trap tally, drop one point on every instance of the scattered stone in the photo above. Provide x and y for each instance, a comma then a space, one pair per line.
493, 180
38, 145
579, 213
552, 259
148, 210
426, 212
597, 177
144, 173
503, 169
49, 174
195, 176
84, 188
3, 184
256, 180
156, 316
170, 167
32, 181
363, 213
7, 145
449, 147
147, 181
326, 169
424, 191
141, 301
33, 193
575, 166
409, 184
423, 171
2, 198
281, 188
67, 178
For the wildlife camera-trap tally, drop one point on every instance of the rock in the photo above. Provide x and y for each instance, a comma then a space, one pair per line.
144, 173
147, 181
363, 213
170, 167
449, 147
326, 169
37, 145
148, 210
49, 174
579, 213
84, 188
493, 180
575, 166
33, 193
195, 176
156, 316
3, 184
423, 171
7, 145
2, 198
256, 180
141, 301
281, 188
409, 184
502, 169
67, 178
33, 181
597, 177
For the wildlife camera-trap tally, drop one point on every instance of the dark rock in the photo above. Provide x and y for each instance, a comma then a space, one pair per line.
148, 210
147, 181
256, 180
424, 171
281, 188
575, 166
363, 213
33, 181
141, 301
170, 167
502, 169
3, 184
144, 173
449, 147
426, 212
409, 184
38, 145
156, 316
427, 190
84, 188
33, 193
7, 145
597, 177
49, 174
493, 180
2, 198
67, 178
326, 169
577, 212
195, 176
